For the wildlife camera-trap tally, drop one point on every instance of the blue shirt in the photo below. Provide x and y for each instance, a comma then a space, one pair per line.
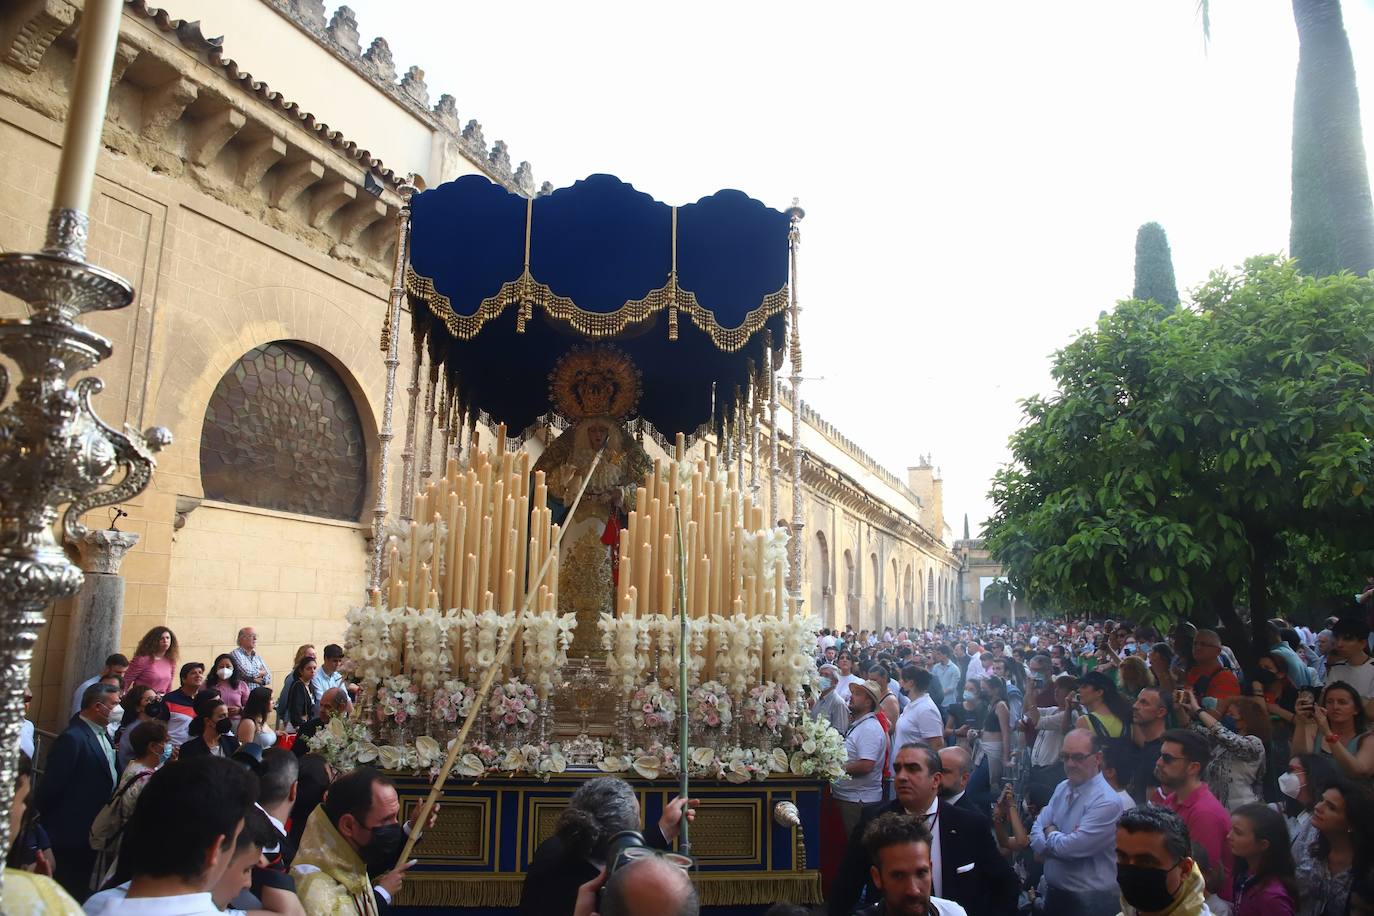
322, 681
1080, 855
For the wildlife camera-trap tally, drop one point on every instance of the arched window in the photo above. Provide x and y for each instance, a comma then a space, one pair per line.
908, 591
877, 592
281, 432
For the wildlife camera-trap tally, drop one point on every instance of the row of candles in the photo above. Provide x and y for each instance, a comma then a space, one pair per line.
491, 535
715, 522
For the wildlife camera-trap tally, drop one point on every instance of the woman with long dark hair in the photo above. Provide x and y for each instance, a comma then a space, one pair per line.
1105, 711
253, 727
154, 661
1335, 726
1302, 785
1265, 884
1344, 818
994, 741
224, 678
301, 703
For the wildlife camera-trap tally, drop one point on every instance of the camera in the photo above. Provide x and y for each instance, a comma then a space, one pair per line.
623, 848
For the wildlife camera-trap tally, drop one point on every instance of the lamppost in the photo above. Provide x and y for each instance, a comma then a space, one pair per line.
54, 450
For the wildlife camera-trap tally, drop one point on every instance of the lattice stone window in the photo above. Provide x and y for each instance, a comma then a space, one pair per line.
281, 432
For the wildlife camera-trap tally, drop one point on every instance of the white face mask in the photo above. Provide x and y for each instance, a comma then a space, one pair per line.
1290, 784
224, 673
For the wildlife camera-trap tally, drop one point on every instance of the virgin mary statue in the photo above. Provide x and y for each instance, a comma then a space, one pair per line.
595, 388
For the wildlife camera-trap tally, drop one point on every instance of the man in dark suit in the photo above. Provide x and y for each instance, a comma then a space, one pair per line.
956, 768
966, 865
76, 784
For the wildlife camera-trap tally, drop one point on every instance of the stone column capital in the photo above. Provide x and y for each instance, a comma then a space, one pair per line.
103, 550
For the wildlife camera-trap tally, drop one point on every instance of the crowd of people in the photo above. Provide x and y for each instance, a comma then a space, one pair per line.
1055, 767
1099, 768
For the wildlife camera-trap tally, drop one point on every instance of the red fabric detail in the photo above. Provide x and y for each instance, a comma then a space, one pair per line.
611, 538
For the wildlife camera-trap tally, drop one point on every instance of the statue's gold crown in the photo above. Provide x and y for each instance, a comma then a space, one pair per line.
594, 381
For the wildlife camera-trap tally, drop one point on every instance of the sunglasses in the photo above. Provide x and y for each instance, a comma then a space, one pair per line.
643, 852
1169, 758
1076, 758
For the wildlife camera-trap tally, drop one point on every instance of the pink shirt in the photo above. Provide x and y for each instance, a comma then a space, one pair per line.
234, 696
1208, 823
154, 672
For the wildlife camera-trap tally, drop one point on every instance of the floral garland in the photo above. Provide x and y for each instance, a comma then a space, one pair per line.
652, 707
711, 706
767, 707
513, 705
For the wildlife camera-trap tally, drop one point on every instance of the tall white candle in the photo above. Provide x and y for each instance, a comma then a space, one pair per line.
89, 93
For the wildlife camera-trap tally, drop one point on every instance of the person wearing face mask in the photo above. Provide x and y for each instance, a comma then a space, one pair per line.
355, 833
224, 679
831, 706
151, 748
1301, 785
213, 730
1155, 870
77, 782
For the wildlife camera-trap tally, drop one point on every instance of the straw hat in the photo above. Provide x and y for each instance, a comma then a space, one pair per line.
872, 687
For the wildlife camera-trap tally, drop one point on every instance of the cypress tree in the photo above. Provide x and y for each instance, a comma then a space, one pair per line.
1332, 215
1154, 266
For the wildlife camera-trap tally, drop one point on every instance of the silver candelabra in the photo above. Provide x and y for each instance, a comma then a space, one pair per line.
54, 450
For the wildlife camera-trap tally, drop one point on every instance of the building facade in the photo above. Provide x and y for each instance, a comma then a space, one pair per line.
249, 190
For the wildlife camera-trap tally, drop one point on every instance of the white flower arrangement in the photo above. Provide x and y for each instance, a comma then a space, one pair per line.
512, 705
397, 700
547, 637
621, 638
652, 707
711, 707
452, 701
341, 742
766, 707
819, 751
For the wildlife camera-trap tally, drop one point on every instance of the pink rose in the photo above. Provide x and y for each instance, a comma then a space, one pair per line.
400, 716
712, 719
648, 707
651, 720
509, 718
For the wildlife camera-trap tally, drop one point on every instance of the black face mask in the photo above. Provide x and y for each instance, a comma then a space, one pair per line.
382, 851
1145, 888
224, 726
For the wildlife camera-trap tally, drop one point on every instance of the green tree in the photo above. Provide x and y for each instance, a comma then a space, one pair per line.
1183, 460
1154, 266
1332, 217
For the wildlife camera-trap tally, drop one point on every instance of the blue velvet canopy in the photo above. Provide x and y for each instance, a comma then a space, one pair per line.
508, 285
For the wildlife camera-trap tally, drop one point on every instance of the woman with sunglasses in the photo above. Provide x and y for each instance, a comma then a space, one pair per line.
1344, 819
1335, 726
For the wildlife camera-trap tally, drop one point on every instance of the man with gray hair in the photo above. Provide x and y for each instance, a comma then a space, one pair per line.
831, 706
251, 666
1075, 834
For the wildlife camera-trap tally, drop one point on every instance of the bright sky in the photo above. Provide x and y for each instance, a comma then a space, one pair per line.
973, 174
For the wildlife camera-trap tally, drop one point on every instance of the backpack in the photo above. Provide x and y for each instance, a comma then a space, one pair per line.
1122, 740
109, 823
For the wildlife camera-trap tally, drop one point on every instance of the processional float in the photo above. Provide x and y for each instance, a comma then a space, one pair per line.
590, 608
